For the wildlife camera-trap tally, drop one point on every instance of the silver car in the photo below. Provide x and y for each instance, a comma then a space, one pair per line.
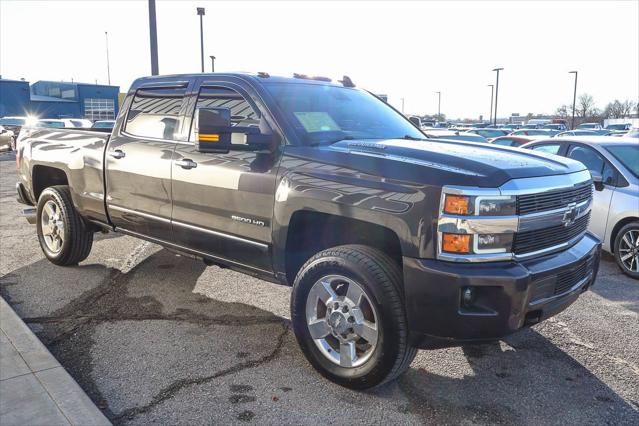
614, 164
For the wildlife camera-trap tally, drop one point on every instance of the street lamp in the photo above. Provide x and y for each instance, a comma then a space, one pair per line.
106, 35
200, 12
574, 99
492, 92
402, 105
439, 105
212, 63
496, 94
153, 33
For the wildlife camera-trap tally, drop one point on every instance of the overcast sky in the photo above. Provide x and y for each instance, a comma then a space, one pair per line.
403, 49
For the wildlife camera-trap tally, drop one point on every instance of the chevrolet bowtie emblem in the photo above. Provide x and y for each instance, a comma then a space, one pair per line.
570, 214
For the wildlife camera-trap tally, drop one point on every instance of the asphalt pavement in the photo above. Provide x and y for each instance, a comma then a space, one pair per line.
153, 337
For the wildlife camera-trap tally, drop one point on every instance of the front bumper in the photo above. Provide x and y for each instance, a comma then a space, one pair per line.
506, 295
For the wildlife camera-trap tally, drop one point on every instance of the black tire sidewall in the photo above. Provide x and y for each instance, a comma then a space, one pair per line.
381, 362
620, 234
52, 194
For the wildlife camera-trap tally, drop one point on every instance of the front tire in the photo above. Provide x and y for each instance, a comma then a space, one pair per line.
349, 318
626, 248
64, 237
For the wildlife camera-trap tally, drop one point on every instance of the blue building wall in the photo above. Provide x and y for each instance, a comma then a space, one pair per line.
54, 99
14, 97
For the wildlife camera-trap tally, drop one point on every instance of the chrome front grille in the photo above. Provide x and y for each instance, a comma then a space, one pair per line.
535, 203
540, 239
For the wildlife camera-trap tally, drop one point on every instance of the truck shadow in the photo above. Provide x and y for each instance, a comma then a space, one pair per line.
146, 348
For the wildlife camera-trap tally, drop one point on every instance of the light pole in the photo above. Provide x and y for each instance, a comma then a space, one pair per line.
106, 36
492, 92
439, 105
153, 33
574, 99
402, 105
212, 63
200, 12
496, 95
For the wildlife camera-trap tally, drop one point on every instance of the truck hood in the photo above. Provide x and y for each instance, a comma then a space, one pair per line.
440, 162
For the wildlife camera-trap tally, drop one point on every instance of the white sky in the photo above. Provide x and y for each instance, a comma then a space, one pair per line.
404, 49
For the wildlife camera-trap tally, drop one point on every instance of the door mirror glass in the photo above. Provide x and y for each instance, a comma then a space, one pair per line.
214, 132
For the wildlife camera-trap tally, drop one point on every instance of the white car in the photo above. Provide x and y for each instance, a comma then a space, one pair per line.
614, 164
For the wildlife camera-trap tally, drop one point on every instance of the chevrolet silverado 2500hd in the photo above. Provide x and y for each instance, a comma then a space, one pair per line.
391, 241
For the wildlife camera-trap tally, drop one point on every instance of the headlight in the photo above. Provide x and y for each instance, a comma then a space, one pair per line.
466, 205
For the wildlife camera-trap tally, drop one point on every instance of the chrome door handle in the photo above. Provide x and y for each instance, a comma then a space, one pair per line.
117, 154
185, 163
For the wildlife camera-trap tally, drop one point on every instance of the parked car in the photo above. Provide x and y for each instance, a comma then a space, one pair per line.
78, 122
633, 133
614, 165
618, 129
14, 124
383, 234
489, 134
560, 127
590, 126
577, 133
511, 127
515, 141
453, 135
534, 132
52, 122
103, 124
7, 140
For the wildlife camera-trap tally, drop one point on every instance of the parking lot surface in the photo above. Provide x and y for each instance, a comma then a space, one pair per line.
153, 337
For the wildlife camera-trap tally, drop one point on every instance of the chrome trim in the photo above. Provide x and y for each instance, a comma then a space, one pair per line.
192, 227
135, 212
475, 224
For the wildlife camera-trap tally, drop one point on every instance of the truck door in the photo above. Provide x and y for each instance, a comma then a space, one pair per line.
223, 203
138, 160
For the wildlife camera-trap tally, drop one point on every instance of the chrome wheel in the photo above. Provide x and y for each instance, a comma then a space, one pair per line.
629, 250
342, 320
52, 226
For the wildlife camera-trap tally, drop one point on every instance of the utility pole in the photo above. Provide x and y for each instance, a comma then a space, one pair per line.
106, 36
574, 99
496, 94
153, 33
492, 94
439, 106
212, 63
200, 12
402, 105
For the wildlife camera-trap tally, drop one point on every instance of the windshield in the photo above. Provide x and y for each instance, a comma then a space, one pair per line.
587, 126
628, 155
324, 114
617, 126
12, 121
103, 125
43, 123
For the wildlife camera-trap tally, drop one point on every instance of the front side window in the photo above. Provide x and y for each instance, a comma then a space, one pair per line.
321, 113
593, 162
549, 149
155, 113
242, 112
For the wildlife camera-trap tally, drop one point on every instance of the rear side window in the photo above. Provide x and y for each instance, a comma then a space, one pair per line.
155, 113
550, 149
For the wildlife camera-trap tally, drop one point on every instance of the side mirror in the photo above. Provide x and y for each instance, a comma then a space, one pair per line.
214, 133
597, 180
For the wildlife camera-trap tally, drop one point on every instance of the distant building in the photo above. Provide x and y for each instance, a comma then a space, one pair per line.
55, 99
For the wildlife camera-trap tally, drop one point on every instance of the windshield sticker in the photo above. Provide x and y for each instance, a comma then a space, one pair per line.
317, 122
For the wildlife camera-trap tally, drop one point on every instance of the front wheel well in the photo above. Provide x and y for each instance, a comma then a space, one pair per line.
623, 222
311, 232
44, 177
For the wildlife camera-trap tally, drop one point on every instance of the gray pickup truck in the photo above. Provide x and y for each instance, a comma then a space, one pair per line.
392, 242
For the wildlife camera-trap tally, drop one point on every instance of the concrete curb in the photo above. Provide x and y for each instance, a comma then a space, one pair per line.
34, 388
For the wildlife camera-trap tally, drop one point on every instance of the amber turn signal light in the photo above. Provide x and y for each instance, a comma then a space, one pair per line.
456, 243
457, 204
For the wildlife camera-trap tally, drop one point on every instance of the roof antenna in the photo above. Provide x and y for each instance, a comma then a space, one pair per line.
346, 81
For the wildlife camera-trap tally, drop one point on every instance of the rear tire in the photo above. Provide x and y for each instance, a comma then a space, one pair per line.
373, 280
626, 248
64, 237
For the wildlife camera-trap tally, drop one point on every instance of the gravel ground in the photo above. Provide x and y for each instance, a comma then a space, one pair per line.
157, 338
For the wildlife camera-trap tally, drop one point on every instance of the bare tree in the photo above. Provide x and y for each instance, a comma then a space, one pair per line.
585, 106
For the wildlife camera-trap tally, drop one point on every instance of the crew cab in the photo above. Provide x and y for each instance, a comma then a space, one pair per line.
390, 240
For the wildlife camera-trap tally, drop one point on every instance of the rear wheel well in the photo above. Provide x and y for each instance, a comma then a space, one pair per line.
311, 232
623, 222
44, 177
